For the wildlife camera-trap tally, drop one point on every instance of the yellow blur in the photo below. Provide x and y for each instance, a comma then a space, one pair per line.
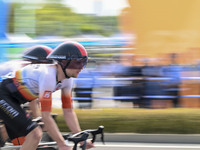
162, 27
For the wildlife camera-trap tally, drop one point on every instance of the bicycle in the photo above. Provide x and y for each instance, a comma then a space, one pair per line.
75, 138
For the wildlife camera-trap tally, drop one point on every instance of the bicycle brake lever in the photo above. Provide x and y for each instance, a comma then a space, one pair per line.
83, 146
102, 138
98, 131
93, 137
76, 139
66, 136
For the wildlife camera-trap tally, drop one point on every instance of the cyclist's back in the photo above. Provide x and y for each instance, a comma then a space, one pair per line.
12, 65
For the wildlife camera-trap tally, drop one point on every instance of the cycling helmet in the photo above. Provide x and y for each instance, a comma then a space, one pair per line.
38, 54
69, 55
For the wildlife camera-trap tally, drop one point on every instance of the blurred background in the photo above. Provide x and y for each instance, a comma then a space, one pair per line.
143, 54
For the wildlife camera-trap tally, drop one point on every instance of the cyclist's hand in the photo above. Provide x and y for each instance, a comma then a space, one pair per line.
89, 144
64, 147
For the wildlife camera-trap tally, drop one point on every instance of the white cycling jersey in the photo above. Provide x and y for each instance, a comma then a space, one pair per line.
39, 81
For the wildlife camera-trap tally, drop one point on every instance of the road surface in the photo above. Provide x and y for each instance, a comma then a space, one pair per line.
146, 146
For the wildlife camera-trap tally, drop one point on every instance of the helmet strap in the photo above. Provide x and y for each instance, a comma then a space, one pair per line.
64, 68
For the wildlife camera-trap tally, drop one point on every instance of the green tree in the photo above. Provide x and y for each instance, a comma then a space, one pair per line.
57, 19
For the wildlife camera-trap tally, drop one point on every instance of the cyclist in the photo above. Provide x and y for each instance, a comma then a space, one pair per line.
33, 55
41, 81
37, 55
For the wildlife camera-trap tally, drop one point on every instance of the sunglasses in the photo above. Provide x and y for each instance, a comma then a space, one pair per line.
75, 63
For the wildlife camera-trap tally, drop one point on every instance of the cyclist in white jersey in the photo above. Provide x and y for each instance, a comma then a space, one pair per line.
33, 55
39, 81
37, 55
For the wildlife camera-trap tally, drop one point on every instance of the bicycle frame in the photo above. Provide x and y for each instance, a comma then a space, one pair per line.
75, 138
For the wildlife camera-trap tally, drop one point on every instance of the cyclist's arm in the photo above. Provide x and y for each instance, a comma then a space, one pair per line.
71, 120
45, 98
70, 115
67, 105
52, 128
50, 124
34, 107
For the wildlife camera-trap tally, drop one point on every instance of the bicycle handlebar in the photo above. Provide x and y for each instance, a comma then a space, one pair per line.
76, 138
83, 135
94, 132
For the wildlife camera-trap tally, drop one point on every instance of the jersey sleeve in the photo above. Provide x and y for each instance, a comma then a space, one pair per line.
46, 101
66, 99
66, 94
47, 84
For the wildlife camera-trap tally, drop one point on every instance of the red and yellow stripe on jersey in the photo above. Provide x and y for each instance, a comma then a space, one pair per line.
18, 81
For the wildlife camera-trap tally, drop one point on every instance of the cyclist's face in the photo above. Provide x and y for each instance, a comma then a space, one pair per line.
75, 66
73, 72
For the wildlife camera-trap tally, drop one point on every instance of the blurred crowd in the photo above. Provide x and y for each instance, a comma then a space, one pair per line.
144, 86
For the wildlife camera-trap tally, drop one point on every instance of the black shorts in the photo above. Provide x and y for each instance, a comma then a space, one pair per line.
14, 117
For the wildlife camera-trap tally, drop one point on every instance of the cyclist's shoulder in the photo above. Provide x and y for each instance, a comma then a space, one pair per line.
68, 81
43, 68
65, 84
12, 65
46, 72
37, 72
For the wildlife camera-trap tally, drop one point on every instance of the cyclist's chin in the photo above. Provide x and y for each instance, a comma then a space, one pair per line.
75, 75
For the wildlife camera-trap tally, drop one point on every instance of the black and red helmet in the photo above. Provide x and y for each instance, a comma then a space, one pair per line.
70, 55
68, 50
38, 53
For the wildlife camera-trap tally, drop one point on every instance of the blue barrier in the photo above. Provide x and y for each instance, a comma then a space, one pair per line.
106, 42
